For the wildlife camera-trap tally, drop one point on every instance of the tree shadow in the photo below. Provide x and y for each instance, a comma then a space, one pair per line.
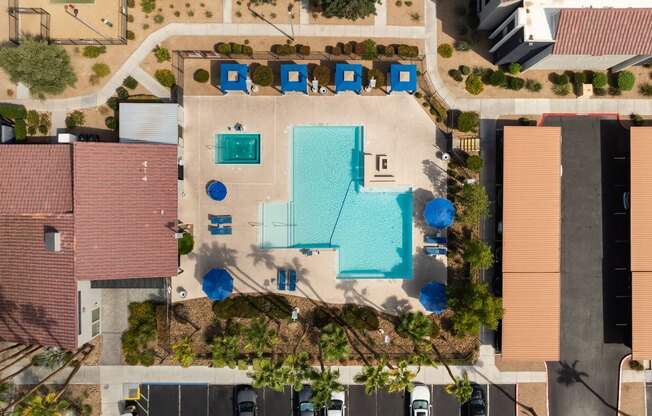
259, 255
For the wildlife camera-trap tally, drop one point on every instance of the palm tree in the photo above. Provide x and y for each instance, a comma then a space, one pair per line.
225, 351
297, 370
334, 344
51, 358
267, 373
461, 388
259, 337
184, 352
374, 377
47, 405
324, 383
401, 378
414, 325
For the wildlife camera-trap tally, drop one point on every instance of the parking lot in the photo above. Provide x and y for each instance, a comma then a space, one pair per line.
214, 400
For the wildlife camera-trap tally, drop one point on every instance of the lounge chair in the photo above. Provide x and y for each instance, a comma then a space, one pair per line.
292, 286
221, 219
434, 251
281, 280
436, 240
221, 231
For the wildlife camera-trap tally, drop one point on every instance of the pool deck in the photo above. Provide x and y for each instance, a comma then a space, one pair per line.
395, 126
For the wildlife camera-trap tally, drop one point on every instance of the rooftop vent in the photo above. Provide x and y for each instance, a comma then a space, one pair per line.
52, 240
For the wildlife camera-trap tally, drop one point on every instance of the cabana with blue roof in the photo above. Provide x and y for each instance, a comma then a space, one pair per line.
348, 77
403, 78
233, 77
294, 77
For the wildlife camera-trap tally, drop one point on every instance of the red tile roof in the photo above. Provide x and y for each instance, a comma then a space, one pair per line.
37, 288
604, 32
125, 210
35, 179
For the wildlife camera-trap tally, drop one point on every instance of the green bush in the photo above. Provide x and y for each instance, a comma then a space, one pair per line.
43, 129
645, 89
380, 77
75, 119
444, 50
599, 80
599, 92
462, 46
533, 85
442, 114
148, 6
389, 52
165, 77
456, 74
223, 48
101, 70
360, 48
31, 130
122, 93
475, 163
131, 35
361, 317
515, 68
347, 49
20, 129
636, 365
278, 307
284, 50
562, 79
263, 76
162, 54
236, 48
516, 83
93, 51
131, 3
626, 80
322, 74
465, 70
524, 121
130, 82
579, 78
186, 244
418, 94
158, 19
113, 103
238, 306
468, 121
498, 79
142, 331
371, 50
12, 112
561, 89
637, 120
304, 49
111, 122
201, 76
247, 50
474, 85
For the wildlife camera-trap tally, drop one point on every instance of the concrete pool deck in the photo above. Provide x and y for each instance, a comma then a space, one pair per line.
394, 126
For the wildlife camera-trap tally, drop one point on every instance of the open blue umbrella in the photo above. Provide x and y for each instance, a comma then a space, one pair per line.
433, 297
217, 284
439, 213
216, 191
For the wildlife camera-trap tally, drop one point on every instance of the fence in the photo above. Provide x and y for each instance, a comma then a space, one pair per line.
312, 56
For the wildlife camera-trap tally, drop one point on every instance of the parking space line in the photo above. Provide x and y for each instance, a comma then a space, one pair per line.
488, 400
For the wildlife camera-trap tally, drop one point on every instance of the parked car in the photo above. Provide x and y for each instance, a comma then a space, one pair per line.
338, 405
305, 408
626, 200
246, 401
477, 404
420, 401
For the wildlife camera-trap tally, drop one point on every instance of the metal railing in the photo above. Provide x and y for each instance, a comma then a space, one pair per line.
269, 55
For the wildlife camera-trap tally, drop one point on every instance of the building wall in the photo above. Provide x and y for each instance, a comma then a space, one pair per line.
90, 301
494, 12
580, 62
515, 49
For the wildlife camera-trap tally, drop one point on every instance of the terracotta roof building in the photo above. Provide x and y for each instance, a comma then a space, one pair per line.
74, 213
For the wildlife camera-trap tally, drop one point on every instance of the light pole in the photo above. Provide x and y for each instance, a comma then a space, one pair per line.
290, 16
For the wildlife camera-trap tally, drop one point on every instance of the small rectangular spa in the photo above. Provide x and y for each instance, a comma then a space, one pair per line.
237, 148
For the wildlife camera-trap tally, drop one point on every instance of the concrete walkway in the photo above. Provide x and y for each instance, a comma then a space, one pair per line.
147, 81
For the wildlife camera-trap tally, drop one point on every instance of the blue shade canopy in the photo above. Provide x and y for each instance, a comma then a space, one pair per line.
217, 284
294, 77
403, 78
348, 77
433, 297
216, 191
439, 213
233, 77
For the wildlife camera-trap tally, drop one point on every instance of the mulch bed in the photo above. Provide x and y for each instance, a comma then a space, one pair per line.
86, 394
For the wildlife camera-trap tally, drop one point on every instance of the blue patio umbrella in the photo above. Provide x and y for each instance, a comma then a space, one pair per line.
233, 77
217, 284
216, 191
294, 77
433, 297
403, 78
348, 77
439, 213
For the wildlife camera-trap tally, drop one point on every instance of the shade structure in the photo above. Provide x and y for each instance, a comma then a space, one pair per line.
294, 77
439, 213
217, 284
433, 297
233, 77
348, 77
403, 78
216, 191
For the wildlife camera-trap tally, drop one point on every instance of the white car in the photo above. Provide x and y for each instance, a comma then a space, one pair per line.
247, 399
306, 407
337, 407
420, 401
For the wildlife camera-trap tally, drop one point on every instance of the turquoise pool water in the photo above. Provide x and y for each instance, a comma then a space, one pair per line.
237, 148
330, 208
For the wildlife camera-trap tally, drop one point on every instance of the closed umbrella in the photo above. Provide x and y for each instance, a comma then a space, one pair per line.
439, 213
217, 284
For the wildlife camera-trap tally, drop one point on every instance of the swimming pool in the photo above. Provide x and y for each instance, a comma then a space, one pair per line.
237, 148
329, 207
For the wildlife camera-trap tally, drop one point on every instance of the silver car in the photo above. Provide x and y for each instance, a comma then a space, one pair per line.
247, 400
306, 407
420, 401
337, 407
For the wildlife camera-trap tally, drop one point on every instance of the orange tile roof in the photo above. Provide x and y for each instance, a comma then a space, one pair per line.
641, 312
641, 199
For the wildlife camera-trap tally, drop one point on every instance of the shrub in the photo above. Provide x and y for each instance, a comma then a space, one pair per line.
148, 6
130, 18
304, 49
579, 78
599, 92
20, 129
462, 46
284, 50
32, 118
599, 80
263, 76
131, 3
347, 49
442, 115
561, 89
475, 163
130, 35
162, 54
637, 120
239, 306
321, 316
208, 14
31, 130
524, 121
12, 112
456, 74
380, 77
516, 83
371, 51
533, 85
360, 48
418, 94
465, 70
474, 85
498, 78
562, 79
122, 93
93, 51
360, 317
201, 75
336, 50
158, 19
74, 119
389, 51
515, 68
236, 48
645, 89
636, 365
43, 129
626, 80
278, 307
407, 50
113, 103
165, 77
223, 48
111, 122
444, 50
468, 121
247, 50
101, 70
130, 83
322, 74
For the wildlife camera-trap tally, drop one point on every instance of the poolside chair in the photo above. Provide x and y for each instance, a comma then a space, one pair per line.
281, 279
435, 240
221, 231
221, 219
435, 251
292, 286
